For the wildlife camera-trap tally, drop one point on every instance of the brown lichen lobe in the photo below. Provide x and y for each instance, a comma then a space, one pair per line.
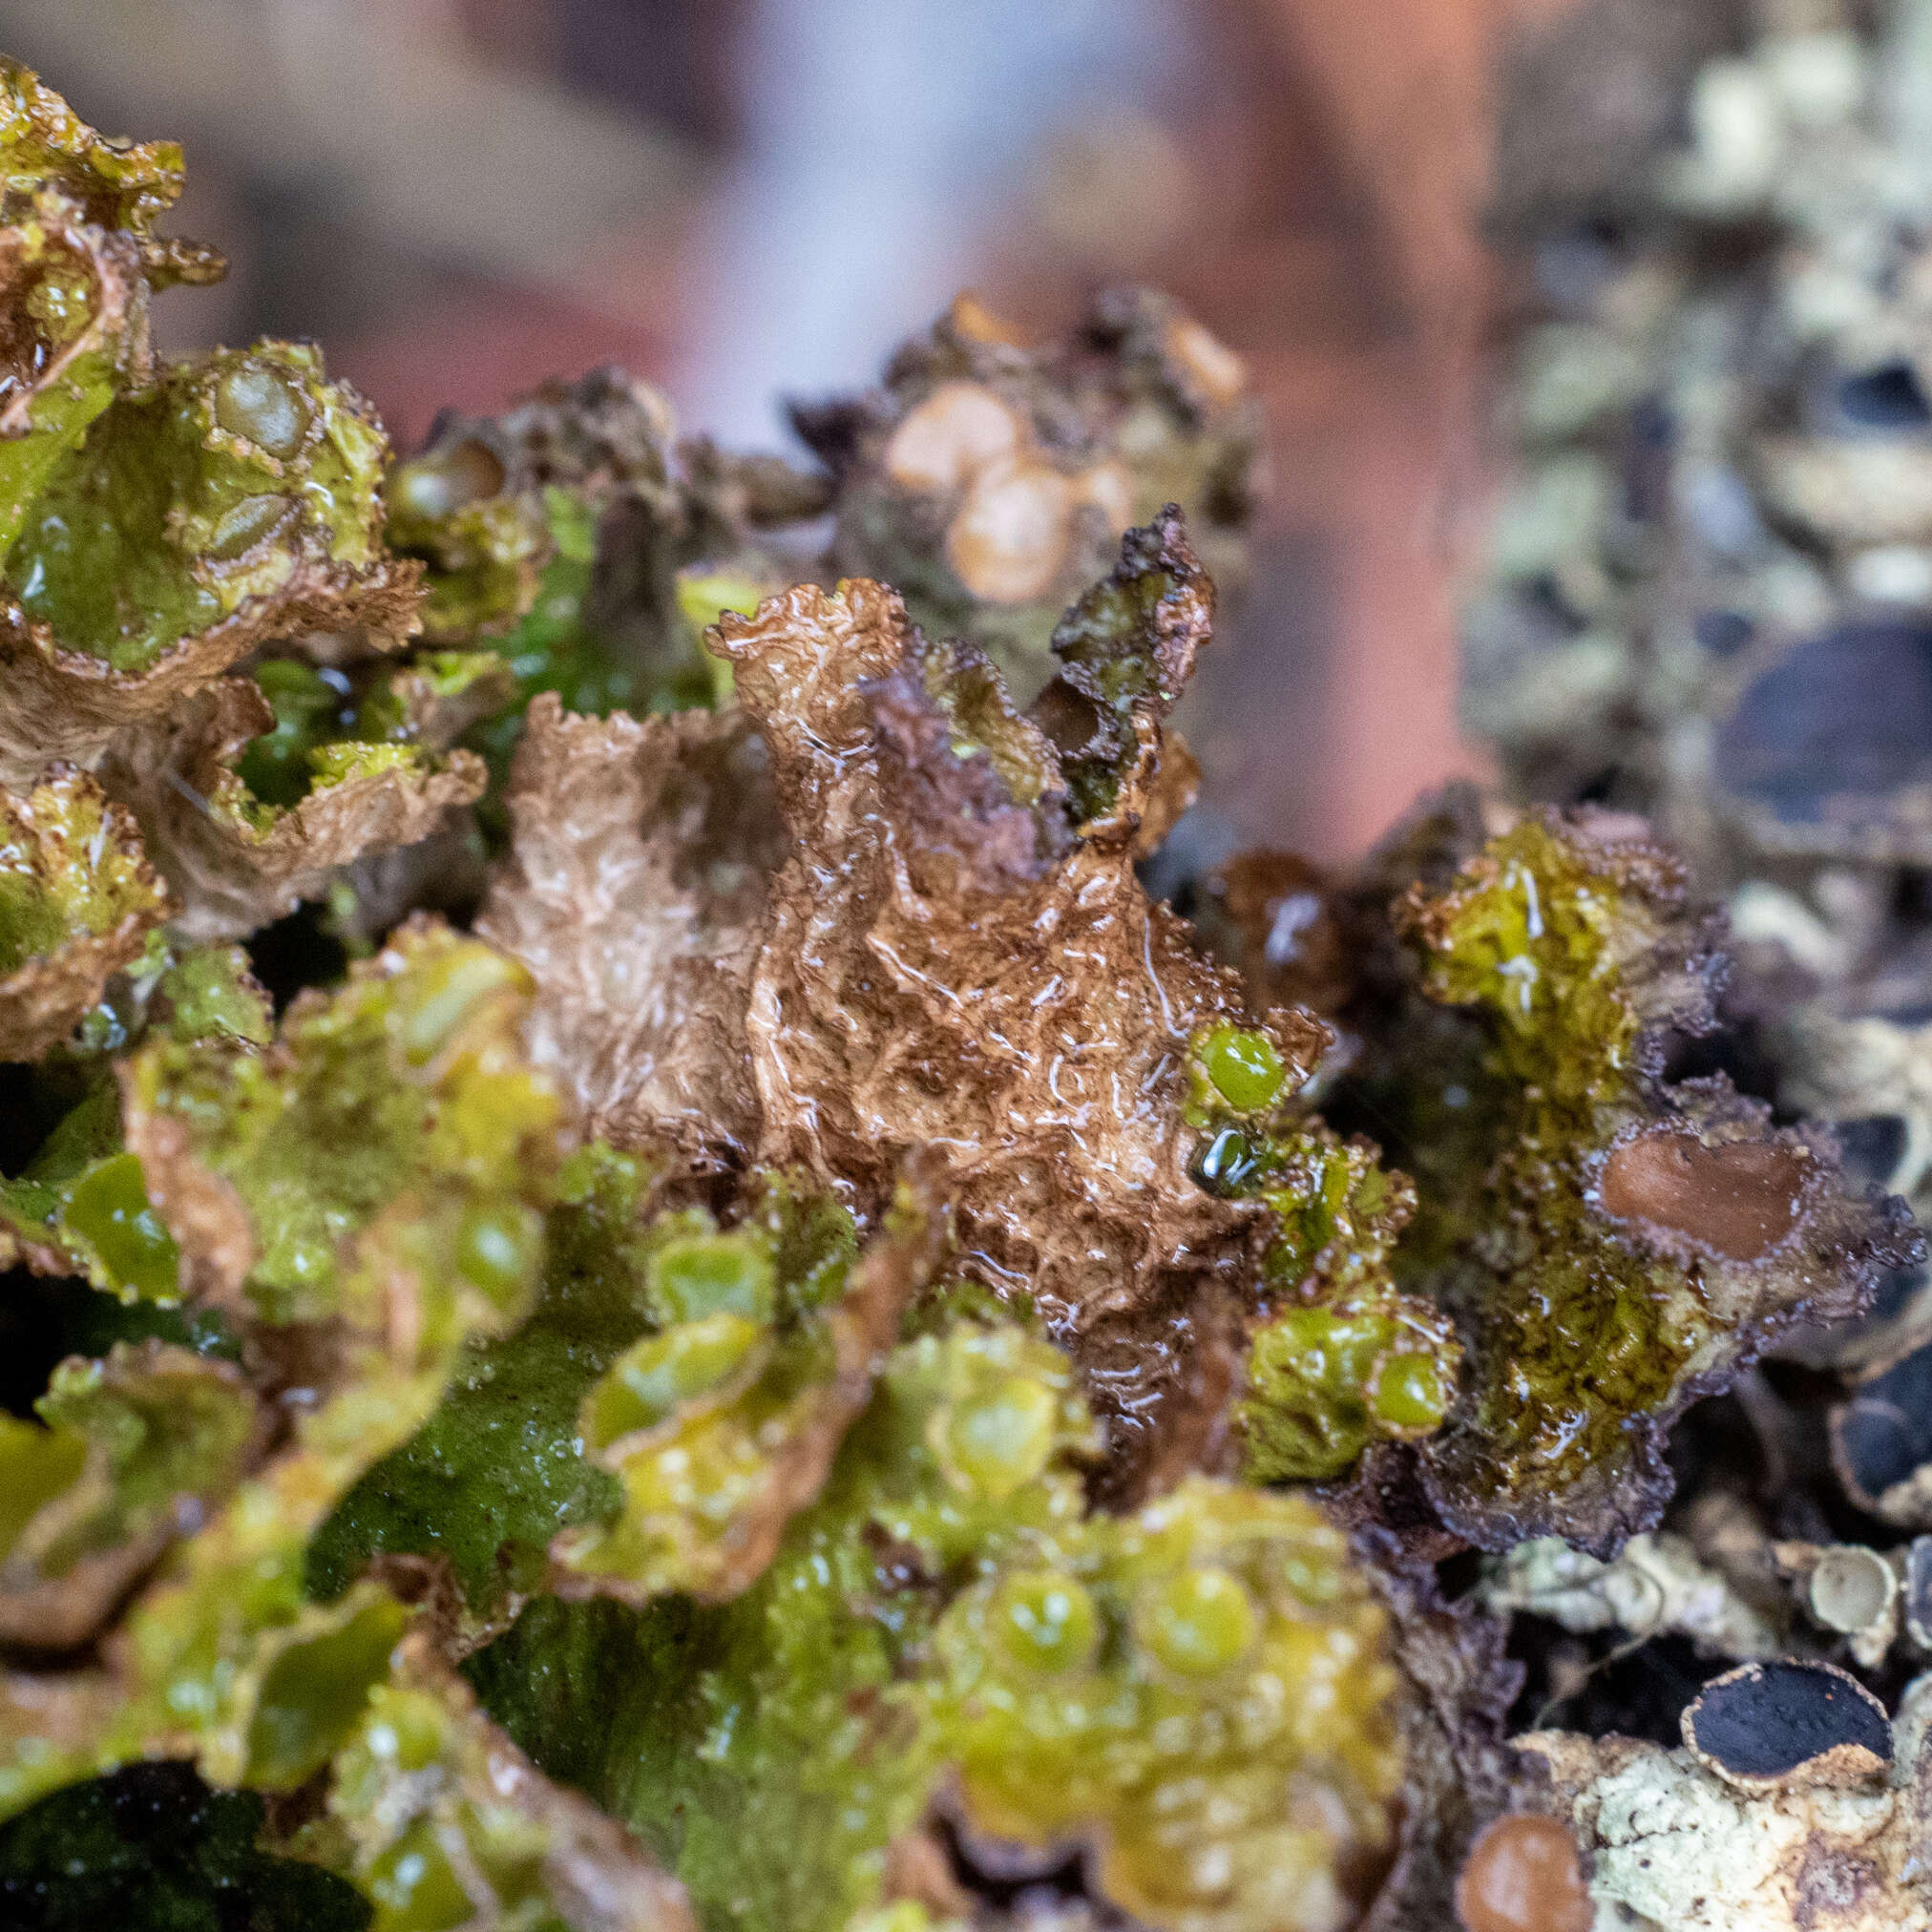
1523, 1876
916, 923
1740, 1199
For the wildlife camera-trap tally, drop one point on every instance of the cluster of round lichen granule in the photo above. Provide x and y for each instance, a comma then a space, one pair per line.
1201, 1690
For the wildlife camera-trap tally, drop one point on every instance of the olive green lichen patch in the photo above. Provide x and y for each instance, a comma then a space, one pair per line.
1601, 1273
1342, 1357
674, 1397
485, 545
573, 534
77, 897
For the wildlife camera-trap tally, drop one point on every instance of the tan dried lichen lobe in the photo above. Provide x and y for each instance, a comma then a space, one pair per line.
948, 954
636, 890
237, 863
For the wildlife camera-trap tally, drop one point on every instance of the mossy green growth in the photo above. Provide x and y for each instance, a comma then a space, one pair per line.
769, 1748
1158, 1683
499, 1469
399, 1109
71, 867
209, 993
1574, 951
152, 1849
224, 481
1340, 1357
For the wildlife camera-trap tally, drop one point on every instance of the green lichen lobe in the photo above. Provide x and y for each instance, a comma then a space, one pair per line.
235, 477
1158, 1683
71, 867
1579, 952
1339, 1356
696, 1418
400, 1107
45, 145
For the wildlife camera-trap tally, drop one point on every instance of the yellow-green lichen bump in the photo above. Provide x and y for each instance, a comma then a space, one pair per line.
1337, 1358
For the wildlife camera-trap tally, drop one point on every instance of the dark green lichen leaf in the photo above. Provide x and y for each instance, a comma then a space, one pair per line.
989, 480
443, 1822
1630, 1245
77, 899
137, 1445
1126, 652
152, 1849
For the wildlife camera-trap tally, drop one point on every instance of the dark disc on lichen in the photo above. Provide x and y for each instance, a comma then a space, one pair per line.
1882, 1436
1803, 1722
1828, 737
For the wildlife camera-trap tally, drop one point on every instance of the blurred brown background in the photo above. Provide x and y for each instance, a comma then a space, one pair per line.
739, 197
